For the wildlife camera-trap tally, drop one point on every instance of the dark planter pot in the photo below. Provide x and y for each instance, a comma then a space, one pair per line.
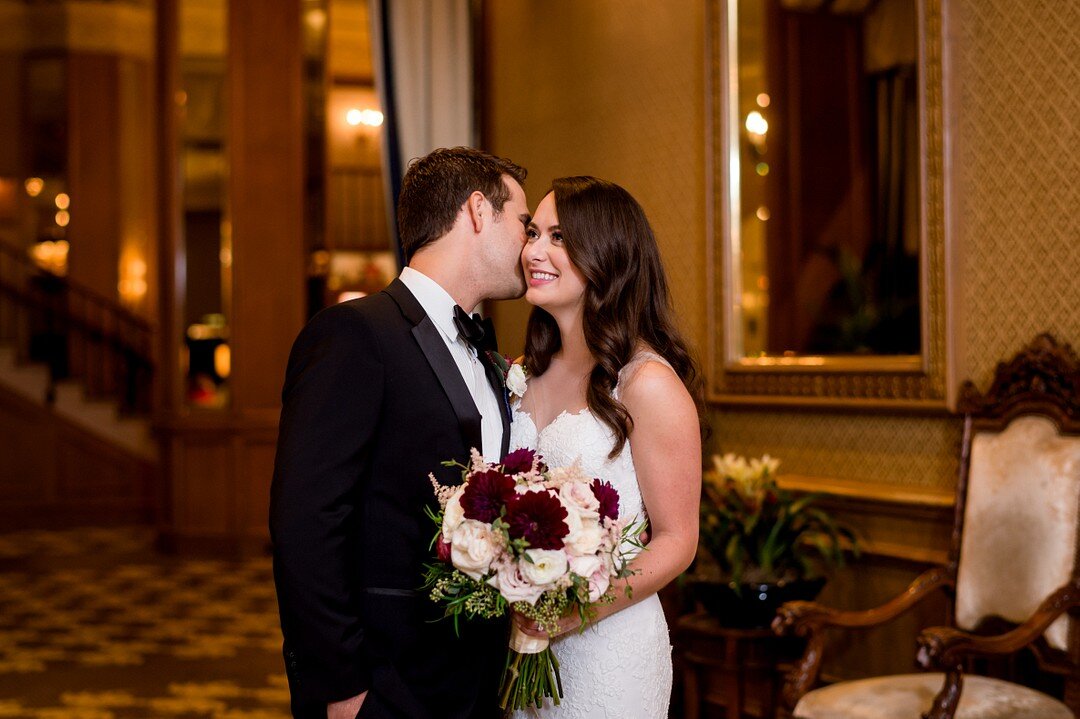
753, 605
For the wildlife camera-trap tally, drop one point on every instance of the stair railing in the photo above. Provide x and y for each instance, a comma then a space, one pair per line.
76, 332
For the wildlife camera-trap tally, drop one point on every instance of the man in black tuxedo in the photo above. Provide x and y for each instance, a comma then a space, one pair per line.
378, 392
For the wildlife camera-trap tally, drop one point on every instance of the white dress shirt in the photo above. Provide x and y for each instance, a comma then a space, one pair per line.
439, 306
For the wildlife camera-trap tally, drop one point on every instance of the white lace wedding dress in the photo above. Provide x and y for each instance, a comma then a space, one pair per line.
620, 666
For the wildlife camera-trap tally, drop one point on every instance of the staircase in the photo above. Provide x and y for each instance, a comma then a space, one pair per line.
75, 392
68, 400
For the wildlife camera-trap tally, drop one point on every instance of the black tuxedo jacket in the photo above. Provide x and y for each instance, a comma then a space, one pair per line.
372, 403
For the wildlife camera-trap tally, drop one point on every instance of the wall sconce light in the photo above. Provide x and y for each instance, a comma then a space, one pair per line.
367, 116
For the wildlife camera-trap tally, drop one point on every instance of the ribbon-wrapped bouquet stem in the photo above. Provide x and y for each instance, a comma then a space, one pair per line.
544, 542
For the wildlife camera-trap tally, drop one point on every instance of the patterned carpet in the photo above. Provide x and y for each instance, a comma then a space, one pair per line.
95, 625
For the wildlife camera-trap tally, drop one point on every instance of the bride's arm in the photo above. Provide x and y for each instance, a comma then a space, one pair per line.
666, 444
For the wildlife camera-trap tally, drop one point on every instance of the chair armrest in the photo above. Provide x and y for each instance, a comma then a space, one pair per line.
803, 617
944, 647
810, 619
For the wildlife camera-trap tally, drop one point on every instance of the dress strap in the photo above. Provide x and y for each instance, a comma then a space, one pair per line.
639, 360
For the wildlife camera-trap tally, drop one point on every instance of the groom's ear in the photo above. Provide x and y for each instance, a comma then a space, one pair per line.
478, 209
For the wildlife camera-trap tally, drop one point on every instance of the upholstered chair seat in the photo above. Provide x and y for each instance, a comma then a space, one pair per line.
909, 696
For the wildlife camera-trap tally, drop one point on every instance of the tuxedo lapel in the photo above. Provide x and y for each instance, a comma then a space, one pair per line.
442, 363
498, 383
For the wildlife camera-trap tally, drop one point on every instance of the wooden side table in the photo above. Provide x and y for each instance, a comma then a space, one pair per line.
739, 672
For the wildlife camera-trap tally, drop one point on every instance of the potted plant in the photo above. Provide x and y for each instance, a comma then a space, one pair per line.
769, 545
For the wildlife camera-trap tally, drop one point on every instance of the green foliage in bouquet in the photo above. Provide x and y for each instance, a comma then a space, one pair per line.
760, 533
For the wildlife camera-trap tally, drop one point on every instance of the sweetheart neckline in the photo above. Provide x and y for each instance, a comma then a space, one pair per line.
565, 413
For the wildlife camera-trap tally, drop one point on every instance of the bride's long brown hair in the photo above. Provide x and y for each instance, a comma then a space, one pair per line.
627, 302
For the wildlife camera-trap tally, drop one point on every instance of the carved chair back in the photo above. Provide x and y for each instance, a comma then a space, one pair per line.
1017, 527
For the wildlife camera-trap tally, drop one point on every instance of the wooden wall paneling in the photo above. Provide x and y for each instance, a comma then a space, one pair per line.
56, 474
203, 505
27, 443
265, 146
258, 462
94, 175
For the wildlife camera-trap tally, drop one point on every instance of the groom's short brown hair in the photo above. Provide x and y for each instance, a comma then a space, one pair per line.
437, 185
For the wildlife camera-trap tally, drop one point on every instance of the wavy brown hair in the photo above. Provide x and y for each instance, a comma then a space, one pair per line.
627, 302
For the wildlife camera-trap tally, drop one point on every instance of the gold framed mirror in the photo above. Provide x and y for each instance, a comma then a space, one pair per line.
827, 249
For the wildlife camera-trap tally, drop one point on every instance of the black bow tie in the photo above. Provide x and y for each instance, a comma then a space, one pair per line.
477, 332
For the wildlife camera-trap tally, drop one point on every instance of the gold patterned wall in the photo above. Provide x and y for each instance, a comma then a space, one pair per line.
612, 88
618, 89
1017, 175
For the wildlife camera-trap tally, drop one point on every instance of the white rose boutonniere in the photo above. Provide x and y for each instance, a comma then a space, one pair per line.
513, 374
515, 380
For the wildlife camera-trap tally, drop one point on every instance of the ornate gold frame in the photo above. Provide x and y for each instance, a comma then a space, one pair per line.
919, 382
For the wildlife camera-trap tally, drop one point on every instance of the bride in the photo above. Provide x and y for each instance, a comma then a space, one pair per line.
611, 382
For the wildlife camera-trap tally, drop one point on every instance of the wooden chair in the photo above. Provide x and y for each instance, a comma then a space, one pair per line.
1013, 557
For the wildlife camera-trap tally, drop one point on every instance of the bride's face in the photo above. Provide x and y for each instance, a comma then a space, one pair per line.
554, 282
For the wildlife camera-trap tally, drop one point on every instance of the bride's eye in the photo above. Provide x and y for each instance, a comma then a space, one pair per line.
556, 238
531, 234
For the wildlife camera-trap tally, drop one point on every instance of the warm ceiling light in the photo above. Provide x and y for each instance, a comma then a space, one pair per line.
63, 218
63, 201
34, 186
763, 100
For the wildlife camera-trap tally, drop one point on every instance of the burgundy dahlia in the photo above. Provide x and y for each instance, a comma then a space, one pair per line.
538, 518
608, 497
486, 494
518, 461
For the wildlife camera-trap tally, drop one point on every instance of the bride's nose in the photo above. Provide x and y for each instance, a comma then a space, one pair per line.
534, 252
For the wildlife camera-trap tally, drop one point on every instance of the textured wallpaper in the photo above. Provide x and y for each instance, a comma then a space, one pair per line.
1017, 176
612, 88
618, 89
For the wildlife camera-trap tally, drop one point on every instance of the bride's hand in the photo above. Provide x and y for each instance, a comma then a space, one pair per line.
567, 623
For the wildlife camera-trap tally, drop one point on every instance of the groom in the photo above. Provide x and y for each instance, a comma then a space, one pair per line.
378, 392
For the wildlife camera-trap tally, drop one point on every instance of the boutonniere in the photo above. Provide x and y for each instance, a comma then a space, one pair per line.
513, 374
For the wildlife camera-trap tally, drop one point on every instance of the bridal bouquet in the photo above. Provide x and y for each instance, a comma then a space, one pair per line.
544, 542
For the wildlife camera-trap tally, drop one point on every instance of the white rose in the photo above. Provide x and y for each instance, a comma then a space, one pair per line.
585, 535
543, 566
515, 380
514, 587
579, 496
453, 514
598, 584
586, 566
473, 548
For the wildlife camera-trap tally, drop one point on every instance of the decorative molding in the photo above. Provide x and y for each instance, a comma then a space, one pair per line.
923, 378
873, 492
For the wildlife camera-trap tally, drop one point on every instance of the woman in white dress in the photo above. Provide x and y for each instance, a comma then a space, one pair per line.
612, 385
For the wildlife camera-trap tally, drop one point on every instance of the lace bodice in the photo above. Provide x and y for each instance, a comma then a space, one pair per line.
621, 666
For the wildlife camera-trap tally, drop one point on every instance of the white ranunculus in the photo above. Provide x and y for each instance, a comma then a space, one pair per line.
515, 380
473, 548
543, 566
453, 514
513, 585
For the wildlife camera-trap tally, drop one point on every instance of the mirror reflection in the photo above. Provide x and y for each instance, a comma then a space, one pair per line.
204, 219
824, 143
